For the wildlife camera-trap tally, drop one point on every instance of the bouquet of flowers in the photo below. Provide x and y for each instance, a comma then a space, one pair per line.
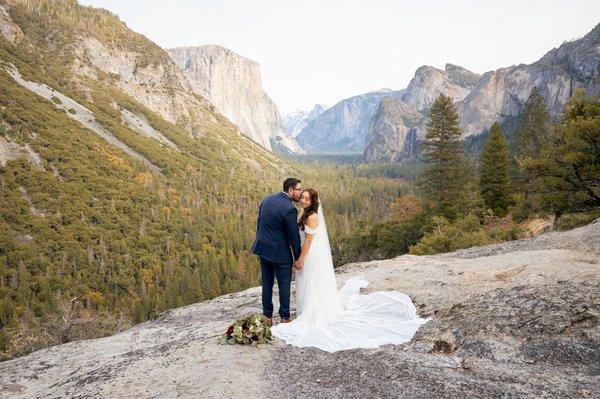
252, 330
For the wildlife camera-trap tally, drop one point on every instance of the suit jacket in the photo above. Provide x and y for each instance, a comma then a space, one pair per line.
277, 236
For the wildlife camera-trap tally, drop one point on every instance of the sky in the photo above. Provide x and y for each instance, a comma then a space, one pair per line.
324, 51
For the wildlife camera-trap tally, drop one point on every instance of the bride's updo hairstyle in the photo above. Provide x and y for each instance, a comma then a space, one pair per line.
314, 206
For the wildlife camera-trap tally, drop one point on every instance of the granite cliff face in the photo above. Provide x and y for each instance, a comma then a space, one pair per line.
503, 92
159, 85
232, 83
516, 319
393, 132
429, 82
343, 127
398, 124
11, 31
137, 67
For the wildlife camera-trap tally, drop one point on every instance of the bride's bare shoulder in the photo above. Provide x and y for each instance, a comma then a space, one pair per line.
312, 221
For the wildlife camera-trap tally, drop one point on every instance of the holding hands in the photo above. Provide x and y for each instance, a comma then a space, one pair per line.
299, 264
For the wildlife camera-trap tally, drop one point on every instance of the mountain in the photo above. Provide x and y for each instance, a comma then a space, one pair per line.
494, 96
343, 127
296, 119
399, 123
122, 190
393, 132
232, 83
516, 319
293, 120
429, 82
501, 93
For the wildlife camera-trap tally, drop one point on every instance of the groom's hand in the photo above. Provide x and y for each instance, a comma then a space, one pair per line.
299, 264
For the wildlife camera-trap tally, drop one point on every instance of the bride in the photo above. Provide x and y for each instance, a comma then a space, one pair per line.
334, 320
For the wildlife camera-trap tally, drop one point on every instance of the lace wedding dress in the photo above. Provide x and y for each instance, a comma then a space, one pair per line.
334, 320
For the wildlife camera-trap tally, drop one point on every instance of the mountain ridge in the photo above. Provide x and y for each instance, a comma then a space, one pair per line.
481, 99
296, 119
343, 127
233, 84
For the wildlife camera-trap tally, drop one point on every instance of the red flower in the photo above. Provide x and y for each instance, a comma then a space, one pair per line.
230, 331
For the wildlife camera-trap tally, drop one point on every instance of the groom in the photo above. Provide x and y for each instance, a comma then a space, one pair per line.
278, 245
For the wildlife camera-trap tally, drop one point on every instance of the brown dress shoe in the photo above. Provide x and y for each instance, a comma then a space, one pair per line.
285, 320
269, 321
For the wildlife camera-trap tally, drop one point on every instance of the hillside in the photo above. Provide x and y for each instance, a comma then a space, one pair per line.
517, 319
118, 183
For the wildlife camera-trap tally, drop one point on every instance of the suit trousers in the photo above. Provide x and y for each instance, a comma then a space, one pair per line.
283, 272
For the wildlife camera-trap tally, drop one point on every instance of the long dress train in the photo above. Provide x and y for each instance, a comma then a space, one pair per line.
334, 320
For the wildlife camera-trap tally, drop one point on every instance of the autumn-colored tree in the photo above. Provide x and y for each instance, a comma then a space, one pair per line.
405, 207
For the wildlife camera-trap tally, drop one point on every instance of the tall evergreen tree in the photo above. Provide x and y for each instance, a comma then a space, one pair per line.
494, 179
443, 155
533, 129
567, 172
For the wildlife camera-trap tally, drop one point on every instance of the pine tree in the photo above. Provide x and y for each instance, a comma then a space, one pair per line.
444, 169
533, 130
567, 172
533, 127
494, 179
470, 201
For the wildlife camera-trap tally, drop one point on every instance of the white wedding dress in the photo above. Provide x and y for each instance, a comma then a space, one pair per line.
334, 320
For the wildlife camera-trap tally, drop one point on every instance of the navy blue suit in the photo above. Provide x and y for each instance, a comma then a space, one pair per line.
278, 245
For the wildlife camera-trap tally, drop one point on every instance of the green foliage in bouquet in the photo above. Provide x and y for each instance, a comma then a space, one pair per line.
252, 330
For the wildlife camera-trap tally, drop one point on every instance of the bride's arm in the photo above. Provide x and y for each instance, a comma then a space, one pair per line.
311, 222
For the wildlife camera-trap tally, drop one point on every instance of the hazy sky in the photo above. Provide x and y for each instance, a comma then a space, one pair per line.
324, 51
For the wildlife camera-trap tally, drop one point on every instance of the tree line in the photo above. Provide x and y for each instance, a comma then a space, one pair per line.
547, 169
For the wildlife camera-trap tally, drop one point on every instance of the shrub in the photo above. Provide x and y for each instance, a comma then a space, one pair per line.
446, 237
573, 220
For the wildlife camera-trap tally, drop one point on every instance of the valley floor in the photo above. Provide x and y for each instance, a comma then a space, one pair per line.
517, 319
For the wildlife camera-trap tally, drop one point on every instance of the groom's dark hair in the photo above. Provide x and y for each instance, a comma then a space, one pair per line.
290, 182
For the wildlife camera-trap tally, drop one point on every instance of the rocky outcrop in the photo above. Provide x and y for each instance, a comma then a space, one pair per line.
343, 127
502, 93
10, 150
8, 28
429, 82
296, 119
140, 124
159, 85
232, 83
517, 319
393, 132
